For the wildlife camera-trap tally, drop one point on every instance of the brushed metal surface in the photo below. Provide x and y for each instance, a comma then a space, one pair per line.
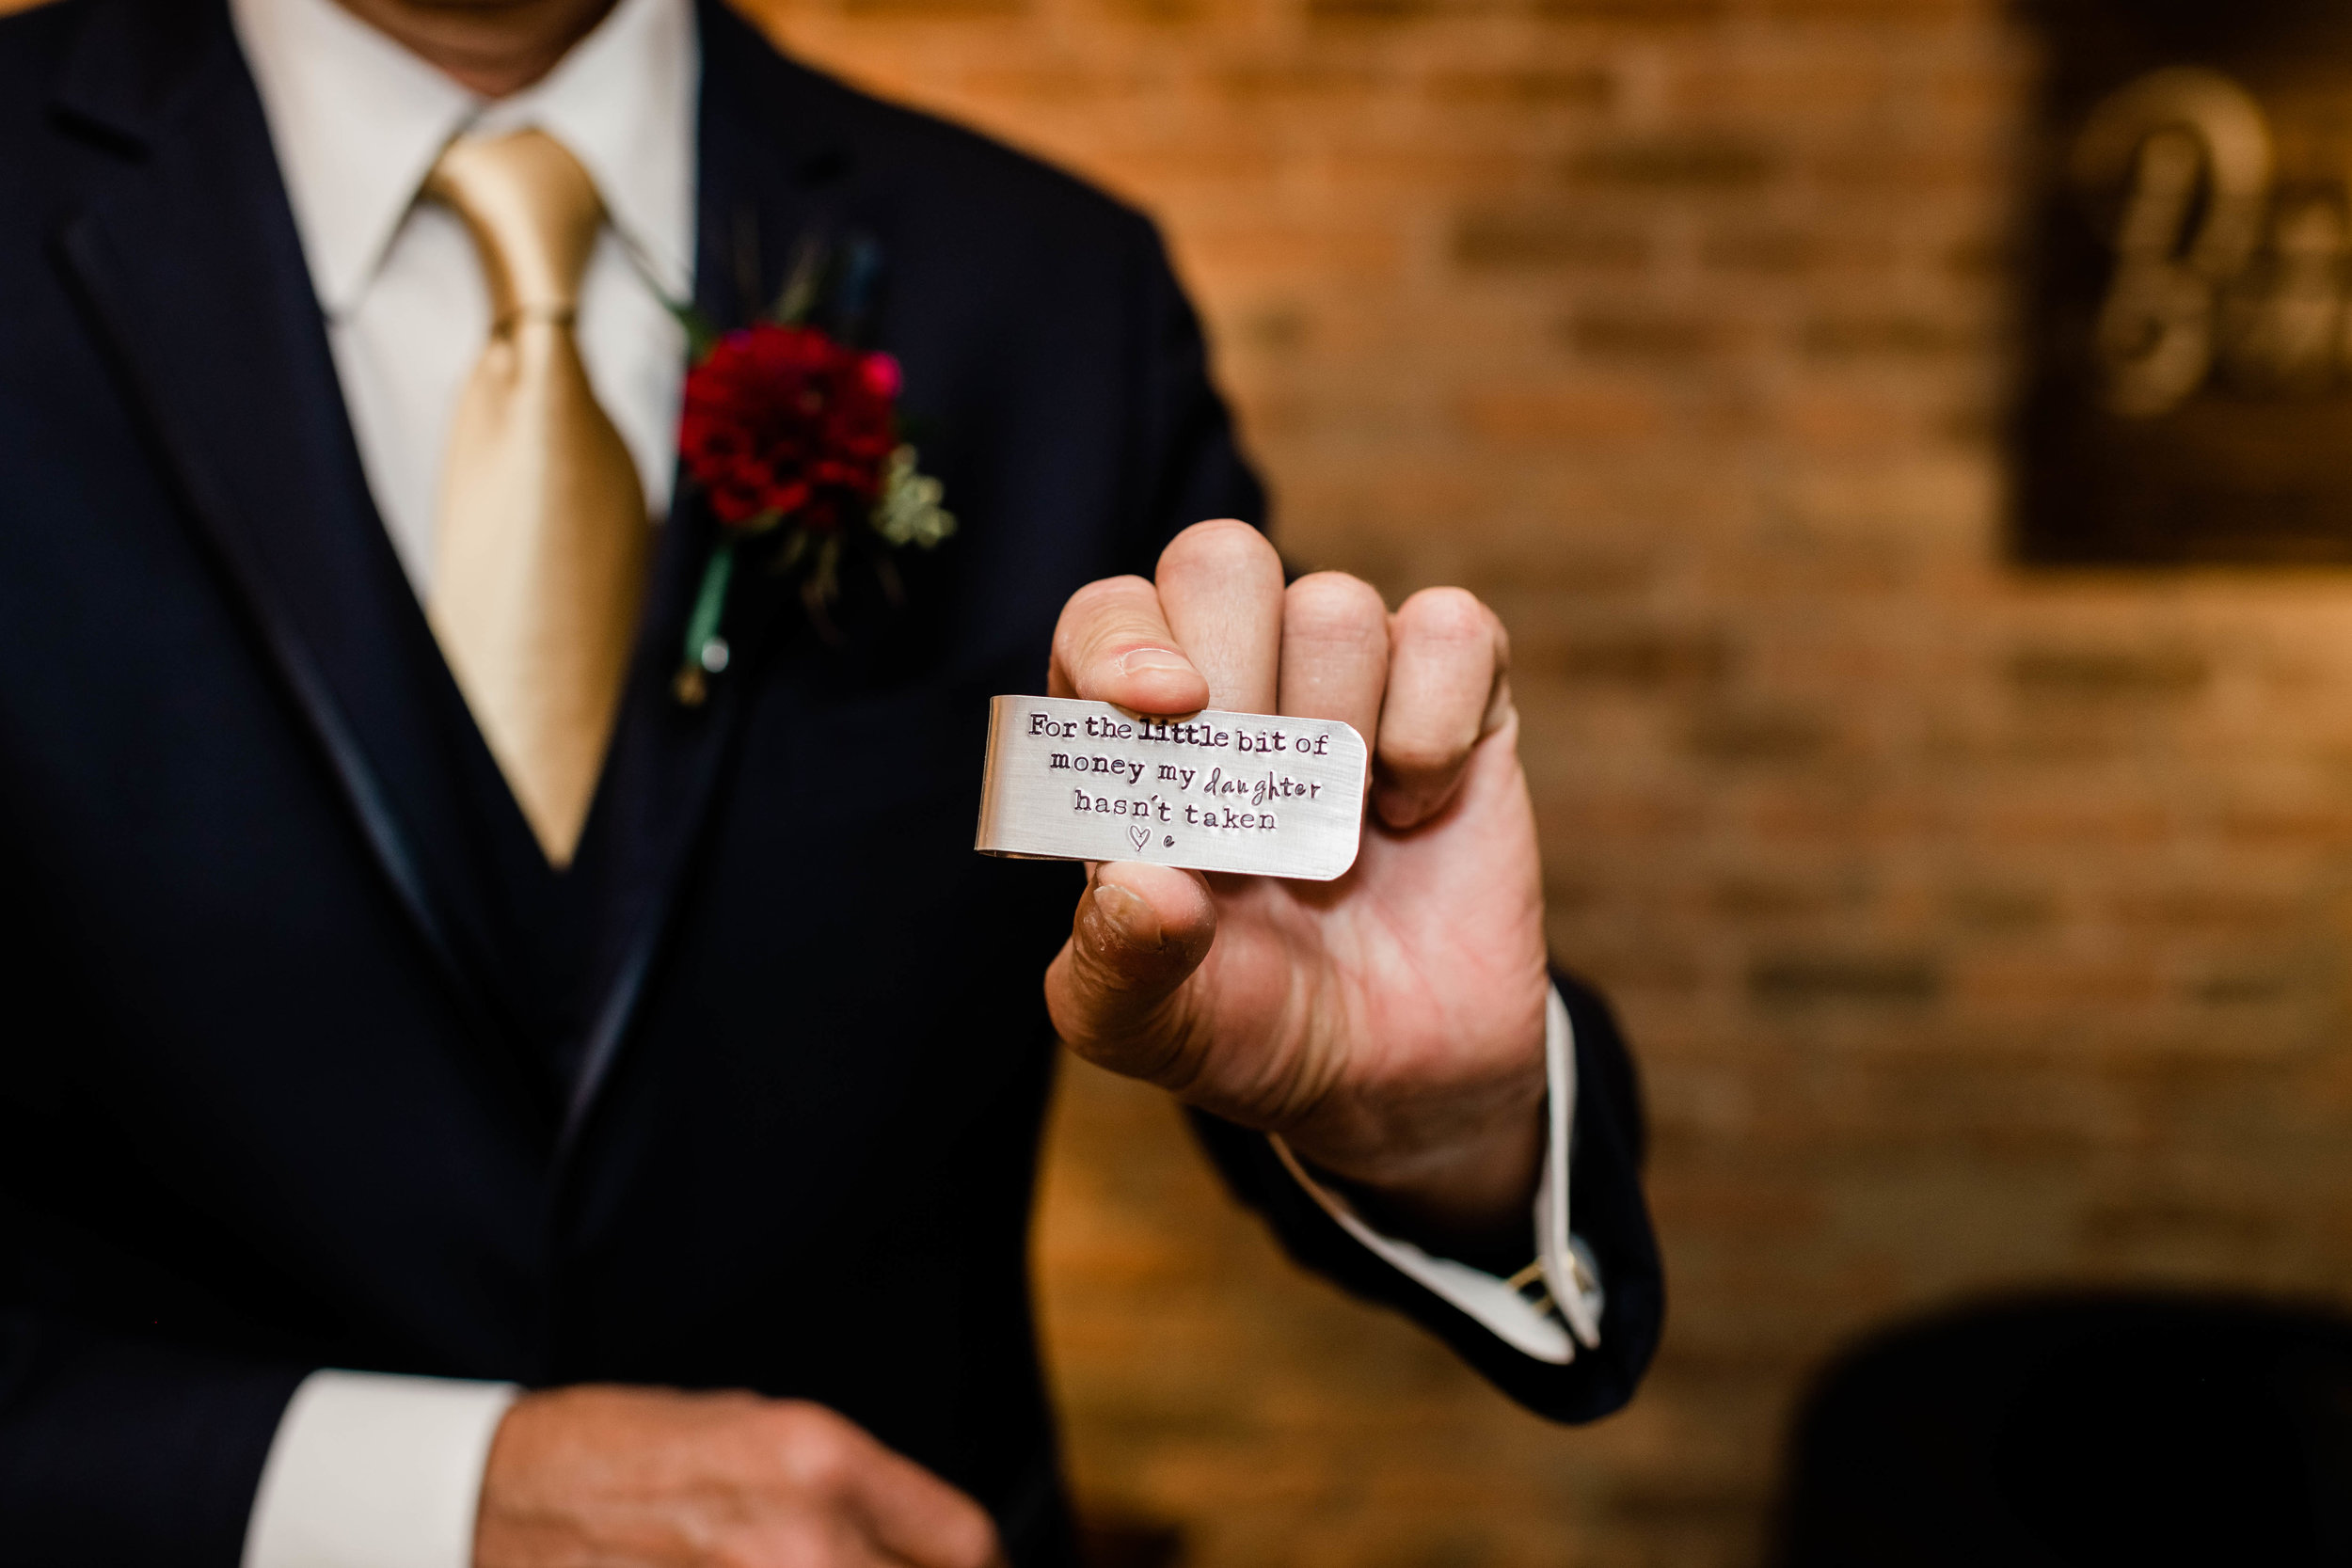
1247, 792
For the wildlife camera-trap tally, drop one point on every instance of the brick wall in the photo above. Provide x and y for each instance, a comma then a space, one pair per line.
1976, 928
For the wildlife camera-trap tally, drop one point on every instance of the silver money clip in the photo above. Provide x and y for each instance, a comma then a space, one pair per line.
1243, 792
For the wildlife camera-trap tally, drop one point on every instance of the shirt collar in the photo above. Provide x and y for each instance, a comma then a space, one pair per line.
358, 121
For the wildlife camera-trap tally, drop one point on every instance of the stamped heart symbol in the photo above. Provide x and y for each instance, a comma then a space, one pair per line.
1140, 837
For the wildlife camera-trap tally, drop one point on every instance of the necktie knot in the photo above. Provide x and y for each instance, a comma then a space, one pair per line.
534, 213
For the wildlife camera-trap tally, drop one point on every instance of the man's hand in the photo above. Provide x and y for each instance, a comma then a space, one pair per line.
1390, 1024
646, 1478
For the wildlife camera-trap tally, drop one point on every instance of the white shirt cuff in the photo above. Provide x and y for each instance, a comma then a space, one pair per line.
373, 1471
1550, 1330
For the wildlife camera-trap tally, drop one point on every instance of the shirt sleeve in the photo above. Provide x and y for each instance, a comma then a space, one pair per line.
376, 1471
1549, 1327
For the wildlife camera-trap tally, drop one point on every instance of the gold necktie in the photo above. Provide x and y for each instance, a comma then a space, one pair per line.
540, 564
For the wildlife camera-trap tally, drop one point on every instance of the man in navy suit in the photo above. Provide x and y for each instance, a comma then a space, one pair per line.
350, 1091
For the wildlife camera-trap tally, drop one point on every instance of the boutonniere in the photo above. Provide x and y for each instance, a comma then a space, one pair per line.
794, 437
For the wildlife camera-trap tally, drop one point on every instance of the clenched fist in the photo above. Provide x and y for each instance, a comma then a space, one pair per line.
1389, 1025
598, 1476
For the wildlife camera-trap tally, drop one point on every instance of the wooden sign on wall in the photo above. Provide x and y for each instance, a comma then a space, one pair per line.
2188, 394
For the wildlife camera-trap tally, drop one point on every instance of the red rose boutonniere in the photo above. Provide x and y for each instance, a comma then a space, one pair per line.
794, 437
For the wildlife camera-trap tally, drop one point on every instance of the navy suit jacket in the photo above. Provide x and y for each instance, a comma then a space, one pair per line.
267, 1102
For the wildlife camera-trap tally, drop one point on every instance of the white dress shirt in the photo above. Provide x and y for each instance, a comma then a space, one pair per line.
374, 1471
358, 122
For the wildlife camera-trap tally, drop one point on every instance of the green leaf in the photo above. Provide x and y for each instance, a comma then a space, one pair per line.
908, 511
702, 333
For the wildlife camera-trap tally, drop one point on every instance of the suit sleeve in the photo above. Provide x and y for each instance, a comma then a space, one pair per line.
116, 1450
1608, 1216
123, 1443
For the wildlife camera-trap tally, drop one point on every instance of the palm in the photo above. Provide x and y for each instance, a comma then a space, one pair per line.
1424, 964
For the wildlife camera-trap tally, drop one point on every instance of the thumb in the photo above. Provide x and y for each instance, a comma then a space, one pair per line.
1117, 988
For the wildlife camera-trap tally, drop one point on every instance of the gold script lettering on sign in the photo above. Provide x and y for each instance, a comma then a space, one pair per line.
2178, 166
2218, 271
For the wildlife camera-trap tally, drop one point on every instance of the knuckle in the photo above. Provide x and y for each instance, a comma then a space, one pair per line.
1445, 615
819, 1452
1089, 607
823, 1463
1335, 606
1221, 543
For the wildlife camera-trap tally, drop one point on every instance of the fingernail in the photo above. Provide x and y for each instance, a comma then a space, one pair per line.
1139, 661
1127, 917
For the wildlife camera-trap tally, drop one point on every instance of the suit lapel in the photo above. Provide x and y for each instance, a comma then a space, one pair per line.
763, 182
186, 256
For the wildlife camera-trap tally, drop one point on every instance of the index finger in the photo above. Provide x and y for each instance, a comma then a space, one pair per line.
1113, 645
